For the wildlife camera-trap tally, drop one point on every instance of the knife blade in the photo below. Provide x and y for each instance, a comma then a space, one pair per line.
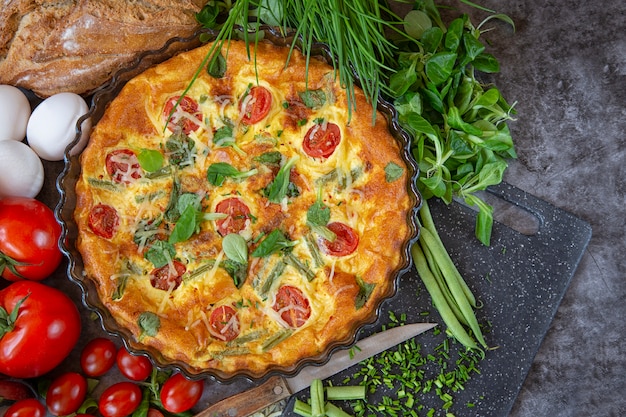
277, 388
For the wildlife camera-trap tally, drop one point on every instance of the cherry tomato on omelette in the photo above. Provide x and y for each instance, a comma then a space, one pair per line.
183, 115
321, 140
120, 399
224, 323
98, 356
346, 240
30, 407
179, 394
238, 216
66, 394
44, 331
292, 306
255, 105
135, 367
29, 239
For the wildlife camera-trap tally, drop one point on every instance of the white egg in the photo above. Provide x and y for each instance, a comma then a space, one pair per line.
21, 170
52, 126
14, 113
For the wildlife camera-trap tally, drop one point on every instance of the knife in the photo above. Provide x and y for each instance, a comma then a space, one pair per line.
277, 388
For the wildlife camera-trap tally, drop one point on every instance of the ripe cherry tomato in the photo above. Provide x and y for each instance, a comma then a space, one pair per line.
153, 412
292, 305
321, 140
346, 240
162, 278
255, 105
30, 407
29, 239
103, 220
135, 367
98, 356
45, 330
184, 114
224, 323
238, 215
66, 394
179, 394
123, 166
120, 399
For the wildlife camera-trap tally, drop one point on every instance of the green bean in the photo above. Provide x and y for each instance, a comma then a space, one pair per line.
455, 328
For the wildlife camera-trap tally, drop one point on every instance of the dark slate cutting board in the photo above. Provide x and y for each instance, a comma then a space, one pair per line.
520, 279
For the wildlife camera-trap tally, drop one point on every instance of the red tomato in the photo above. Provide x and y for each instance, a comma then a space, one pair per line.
120, 399
345, 242
162, 278
321, 140
66, 394
224, 323
103, 220
123, 166
30, 407
29, 239
238, 215
45, 330
153, 412
184, 114
135, 367
179, 394
98, 356
255, 105
292, 306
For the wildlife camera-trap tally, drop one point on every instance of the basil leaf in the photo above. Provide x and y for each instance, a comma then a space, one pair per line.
218, 171
149, 324
235, 248
180, 150
279, 188
185, 226
318, 214
217, 65
393, 171
160, 253
223, 135
236, 270
150, 160
313, 99
365, 291
274, 242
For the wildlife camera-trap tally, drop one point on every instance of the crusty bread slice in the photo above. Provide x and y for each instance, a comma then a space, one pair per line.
76, 45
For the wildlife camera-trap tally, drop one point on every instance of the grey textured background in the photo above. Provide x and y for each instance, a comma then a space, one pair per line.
565, 65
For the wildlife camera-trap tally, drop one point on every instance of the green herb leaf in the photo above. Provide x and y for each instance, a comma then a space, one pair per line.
313, 99
274, 242
160, 253
217, 65
180, 150
218, 171
393, 172
235, 248
150, 160
149, 324
270, 158
439, 67
236, 270
277, 190
318, 214
365, 291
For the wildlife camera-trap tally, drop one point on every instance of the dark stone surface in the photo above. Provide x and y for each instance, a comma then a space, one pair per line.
565, 65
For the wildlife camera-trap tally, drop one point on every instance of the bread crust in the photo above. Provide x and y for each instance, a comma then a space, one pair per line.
75, 46
376, 208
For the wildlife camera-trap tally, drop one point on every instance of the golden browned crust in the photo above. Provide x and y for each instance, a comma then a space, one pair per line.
75, 46
360, 196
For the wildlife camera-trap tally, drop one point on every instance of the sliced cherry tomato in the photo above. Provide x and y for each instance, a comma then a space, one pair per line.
154, 412
292, 305
98, 356
135, 367
224, 323
29, 239
346, 240
184, 115
179, 394
120, 399
164, 277
66, 393
238, 215
321, 140
255, 105
123, 166
43, 331
103, 220
30, 407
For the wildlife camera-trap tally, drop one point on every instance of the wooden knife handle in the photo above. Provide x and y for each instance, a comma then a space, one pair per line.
250, 401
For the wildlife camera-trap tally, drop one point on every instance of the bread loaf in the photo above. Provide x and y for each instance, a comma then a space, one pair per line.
76, 45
